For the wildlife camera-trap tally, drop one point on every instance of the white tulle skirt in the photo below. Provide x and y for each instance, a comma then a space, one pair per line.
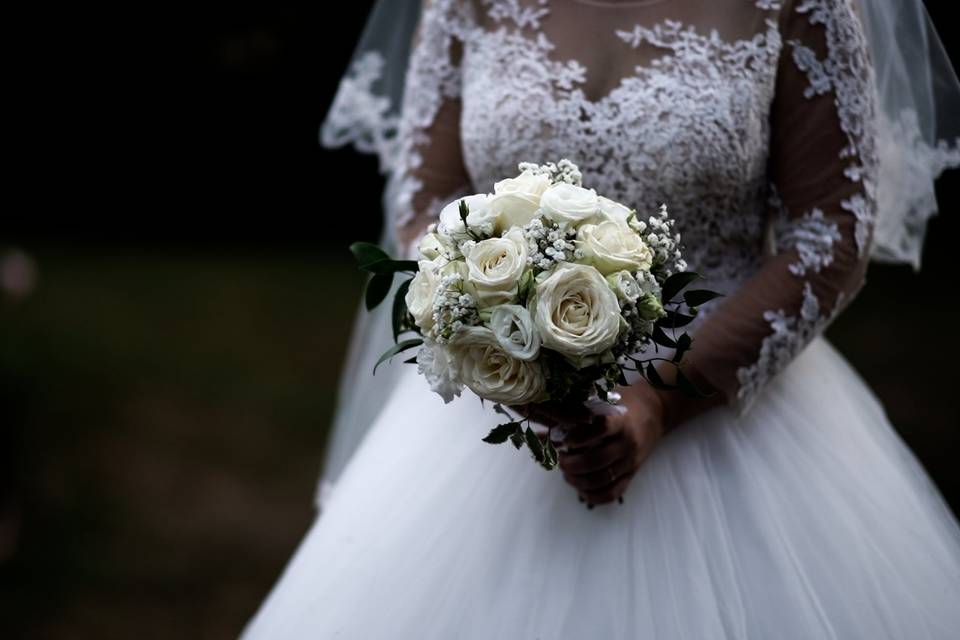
808, 518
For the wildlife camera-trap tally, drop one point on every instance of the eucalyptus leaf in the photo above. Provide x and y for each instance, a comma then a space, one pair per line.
400, 347
367, 253
674, 320
377, 289
533, 442
501, 432
412, 360
400, 308
661, 338
684, 342
550, 457
676, 283
654, 377
697, 297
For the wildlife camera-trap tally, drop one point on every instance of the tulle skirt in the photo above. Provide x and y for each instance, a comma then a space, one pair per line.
807, 518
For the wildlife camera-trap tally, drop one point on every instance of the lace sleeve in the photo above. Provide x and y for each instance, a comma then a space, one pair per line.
822, 167
430, 169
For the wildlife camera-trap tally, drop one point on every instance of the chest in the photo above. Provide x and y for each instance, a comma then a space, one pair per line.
637, 106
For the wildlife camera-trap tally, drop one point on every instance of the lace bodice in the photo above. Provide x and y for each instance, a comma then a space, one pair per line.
753, 120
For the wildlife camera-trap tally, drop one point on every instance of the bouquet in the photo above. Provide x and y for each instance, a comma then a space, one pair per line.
541, 291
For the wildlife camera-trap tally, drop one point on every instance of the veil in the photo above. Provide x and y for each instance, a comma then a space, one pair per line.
919, 137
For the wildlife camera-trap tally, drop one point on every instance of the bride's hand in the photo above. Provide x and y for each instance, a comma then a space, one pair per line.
602, 455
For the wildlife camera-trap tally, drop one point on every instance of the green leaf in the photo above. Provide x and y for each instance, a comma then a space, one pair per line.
533, 442
412, 360
501, 432
550, 458
661, 338
688, 388
366, 253
400, 308
697, 297
684, 342
674, 320
372, 258
676, 283
517, 439
400, 347
377, 289
654, 377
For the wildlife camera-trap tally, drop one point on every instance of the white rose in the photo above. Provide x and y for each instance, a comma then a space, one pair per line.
625, 285
577, 313
491, 372
422, 291
527, 183
434, 245
610, 209
481, 218
613, 246
513, 327
514, 210
495, 266
569, 205
517, 200
434, 364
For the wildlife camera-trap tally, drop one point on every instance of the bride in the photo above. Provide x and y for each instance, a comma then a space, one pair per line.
793, 141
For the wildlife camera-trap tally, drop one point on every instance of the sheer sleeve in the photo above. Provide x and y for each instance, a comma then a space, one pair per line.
822, 166
430, 169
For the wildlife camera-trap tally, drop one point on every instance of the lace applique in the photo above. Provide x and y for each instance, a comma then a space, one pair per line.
790, 335
359, 116
846, 72
812, 236
521, 16
905, 185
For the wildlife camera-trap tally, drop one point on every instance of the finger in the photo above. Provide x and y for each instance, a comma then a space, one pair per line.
596, 480
594, 459
589, 434
609, 493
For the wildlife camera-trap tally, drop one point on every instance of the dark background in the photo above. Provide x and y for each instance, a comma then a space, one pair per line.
166, 387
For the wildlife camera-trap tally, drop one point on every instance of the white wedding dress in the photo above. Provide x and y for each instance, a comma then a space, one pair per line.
794, 511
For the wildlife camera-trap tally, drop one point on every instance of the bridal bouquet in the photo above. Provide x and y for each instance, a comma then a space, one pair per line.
541, 291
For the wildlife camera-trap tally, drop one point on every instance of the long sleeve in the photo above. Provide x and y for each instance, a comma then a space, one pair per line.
430, 169
822, 166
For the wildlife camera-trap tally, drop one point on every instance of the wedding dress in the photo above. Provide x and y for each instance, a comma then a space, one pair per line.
794, 510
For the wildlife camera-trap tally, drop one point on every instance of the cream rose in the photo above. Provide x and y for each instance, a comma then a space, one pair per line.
434, 245
625, 286
613, 210
517, 200
612, 246
577, 313
481, 218
422, 291
569, 205
495, 266
491, 372
513, 326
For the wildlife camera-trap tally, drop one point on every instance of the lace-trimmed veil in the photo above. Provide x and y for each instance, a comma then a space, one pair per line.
919, 137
